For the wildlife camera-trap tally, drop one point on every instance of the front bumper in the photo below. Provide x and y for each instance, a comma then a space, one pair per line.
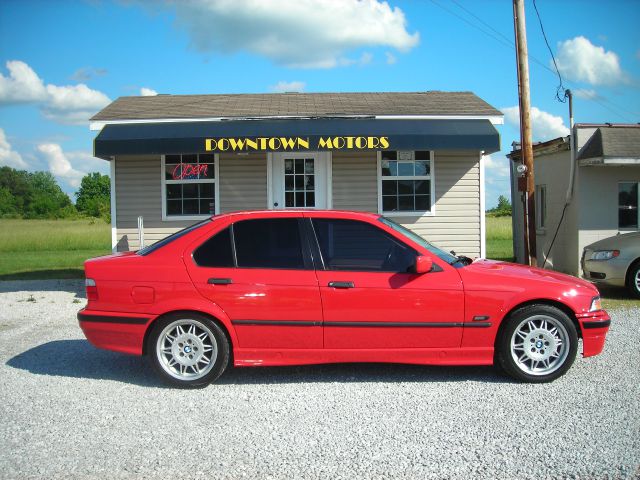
594, 327
609, 273
120, 332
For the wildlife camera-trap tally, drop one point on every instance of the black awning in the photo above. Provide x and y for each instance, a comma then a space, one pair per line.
271, 135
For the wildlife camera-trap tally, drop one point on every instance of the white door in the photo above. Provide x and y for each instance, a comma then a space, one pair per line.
299, 180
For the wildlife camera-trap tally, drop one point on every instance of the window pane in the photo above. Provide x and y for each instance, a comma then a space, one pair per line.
389, 187
299, 199
174, 207
207, 158
288, 199
269, 243
299, 182
405, 169
390, 155
215, 252
206, 190
405, 187
207, 170
389, 168
172, 159
288, 166
389, 204
405, 203
421, 187
288, 182
351, 245
627, 205
308, 165
190, 190
174, 191
191, 158
207, 206
172, 172
423, 203
423, 155
311, 199
299, 165
422, 168
190, 207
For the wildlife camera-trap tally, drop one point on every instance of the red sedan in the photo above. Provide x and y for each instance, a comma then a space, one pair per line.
308, 287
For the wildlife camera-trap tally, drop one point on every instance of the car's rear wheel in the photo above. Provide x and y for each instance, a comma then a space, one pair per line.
633, 279
188, 350
538, 344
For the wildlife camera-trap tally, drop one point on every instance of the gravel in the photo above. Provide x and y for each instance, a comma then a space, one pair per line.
72, 411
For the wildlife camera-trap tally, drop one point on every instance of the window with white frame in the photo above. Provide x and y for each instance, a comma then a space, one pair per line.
628, 206
189, 185
406, 183
541, 206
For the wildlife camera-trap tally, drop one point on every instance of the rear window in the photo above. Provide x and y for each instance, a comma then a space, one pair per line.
167, 240
215, 252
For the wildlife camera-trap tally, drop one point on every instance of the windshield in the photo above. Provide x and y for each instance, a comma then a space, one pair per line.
441, 254
170, 238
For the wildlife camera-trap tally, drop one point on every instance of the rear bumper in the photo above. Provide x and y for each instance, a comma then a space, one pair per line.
594, 327
120, 332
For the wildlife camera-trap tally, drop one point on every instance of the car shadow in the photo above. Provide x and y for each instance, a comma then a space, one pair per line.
75, 286
79, 359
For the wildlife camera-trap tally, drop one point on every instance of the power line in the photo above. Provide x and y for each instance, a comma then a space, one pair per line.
560, 87
506, 42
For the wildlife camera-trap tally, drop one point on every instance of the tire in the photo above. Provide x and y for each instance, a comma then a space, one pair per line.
538, 344
633, 279
188, 350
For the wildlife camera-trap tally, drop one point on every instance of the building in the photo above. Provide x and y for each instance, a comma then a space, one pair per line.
604, 201
416, 157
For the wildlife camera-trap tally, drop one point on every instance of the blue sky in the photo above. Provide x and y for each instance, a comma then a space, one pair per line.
62, 61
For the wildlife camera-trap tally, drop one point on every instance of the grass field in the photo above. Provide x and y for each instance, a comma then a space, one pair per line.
50, 248
499, 244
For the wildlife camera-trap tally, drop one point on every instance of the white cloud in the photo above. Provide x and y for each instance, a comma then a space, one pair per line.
544, 125
578, 59
282, 87
22, 85
496, 167
70, 104
8, 156
586, 93
59, 164
148, 92
295, 33
391, 58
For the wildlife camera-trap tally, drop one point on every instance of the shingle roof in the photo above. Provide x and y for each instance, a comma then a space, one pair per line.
613, 141
295, 104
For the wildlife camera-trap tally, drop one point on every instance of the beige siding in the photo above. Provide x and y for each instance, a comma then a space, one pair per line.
243, 182
455, 224
355, 181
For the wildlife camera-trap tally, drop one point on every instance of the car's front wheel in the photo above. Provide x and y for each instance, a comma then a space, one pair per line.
633, 279
188, 350
538, 344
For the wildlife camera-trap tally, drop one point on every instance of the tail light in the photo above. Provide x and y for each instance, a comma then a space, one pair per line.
91, 288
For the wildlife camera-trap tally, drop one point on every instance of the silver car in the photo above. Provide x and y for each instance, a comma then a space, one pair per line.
614, 262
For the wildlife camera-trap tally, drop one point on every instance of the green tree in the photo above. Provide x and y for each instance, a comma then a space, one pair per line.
16, 182
47, 200
503, 209
93, 198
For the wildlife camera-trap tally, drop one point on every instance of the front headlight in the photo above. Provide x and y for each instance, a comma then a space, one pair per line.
596, 304
604, 254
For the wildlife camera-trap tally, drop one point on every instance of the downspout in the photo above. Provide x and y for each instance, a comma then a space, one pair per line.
572, 147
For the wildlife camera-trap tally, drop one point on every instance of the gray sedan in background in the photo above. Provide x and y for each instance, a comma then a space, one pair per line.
614, 262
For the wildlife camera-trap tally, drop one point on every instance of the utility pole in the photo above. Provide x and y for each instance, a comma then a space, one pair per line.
526, 148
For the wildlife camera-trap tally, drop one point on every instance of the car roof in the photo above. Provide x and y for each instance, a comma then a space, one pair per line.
296, 212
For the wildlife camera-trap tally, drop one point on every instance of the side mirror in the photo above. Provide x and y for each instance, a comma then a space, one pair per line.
424, 264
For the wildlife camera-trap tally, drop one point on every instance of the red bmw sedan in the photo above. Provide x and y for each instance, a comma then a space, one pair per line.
302, 287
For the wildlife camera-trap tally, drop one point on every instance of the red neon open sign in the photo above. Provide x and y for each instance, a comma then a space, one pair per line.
189, 171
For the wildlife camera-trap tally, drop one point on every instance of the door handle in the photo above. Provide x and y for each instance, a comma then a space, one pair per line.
342, 284
219, 281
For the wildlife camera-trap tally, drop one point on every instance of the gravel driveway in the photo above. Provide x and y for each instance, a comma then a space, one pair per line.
70, 410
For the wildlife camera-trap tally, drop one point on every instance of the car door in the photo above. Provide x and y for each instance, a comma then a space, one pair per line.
370, 298
260, 273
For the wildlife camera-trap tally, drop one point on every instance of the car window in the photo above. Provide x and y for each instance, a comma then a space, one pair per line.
353, 245
216, 251
167, 240
269, 243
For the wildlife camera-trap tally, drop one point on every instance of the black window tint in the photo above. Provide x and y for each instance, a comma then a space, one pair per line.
167, 240
215, 252
352, 245
268, 243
